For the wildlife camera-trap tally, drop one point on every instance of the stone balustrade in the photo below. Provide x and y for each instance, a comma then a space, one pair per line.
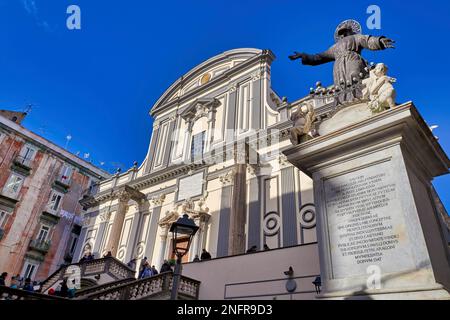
158, 286
109, 265
7, 293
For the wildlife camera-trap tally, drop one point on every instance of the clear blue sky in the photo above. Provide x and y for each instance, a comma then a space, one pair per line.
97, 84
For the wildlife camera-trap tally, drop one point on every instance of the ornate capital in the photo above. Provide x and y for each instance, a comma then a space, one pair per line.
158, 200
228, 178
253, 169
123, 196
125, 193
105, 216
86, 221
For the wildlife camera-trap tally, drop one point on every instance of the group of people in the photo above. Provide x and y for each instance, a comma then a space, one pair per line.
253, 249
204, 256
145, 270
88, 256
19, 283
63, 290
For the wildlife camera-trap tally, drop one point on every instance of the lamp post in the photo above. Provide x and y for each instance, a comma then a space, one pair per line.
183, 227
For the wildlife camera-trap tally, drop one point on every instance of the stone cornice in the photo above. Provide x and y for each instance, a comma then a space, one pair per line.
123, 193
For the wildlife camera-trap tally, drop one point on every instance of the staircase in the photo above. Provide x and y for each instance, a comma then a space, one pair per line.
17, 294
107, 269
97, 288
153, 288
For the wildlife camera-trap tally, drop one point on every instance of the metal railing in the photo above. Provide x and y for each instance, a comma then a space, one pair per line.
23, 161
64, 180
40, 245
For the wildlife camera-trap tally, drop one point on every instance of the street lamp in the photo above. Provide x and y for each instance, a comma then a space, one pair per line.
183, 227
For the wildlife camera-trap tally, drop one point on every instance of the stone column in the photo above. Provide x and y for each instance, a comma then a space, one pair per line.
163, 244
236, 240
187, 139
116, 229
211, 127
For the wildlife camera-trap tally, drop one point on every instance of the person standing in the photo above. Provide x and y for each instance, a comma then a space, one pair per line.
165, 267
28, 286
3, 278
205, 255
14, 283
154, 271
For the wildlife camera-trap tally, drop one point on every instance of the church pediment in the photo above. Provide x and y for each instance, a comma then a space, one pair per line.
204, 74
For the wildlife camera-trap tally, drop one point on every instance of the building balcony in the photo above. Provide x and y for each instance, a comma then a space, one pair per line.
39, 245
22, 165
62, 183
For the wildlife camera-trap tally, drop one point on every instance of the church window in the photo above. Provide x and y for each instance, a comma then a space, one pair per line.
198, 146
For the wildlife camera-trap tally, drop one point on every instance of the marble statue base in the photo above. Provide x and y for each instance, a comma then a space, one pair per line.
378, 228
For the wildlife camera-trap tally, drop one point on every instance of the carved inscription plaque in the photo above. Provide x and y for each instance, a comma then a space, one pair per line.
366, 224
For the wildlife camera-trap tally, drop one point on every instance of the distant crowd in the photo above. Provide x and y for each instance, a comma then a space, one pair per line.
18, 282
67, 291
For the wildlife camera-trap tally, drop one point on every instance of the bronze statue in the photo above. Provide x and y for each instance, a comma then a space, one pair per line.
349, 67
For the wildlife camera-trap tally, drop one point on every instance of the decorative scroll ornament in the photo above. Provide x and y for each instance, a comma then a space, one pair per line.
105, 216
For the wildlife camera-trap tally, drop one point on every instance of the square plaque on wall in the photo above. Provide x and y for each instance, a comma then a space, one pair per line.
190, 187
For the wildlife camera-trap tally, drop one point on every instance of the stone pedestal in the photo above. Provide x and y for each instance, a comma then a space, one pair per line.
378, 228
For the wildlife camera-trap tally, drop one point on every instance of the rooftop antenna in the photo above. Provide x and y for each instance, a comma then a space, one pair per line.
68, 138
28, 108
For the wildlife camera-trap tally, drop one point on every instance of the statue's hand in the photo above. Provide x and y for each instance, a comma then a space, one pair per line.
387, 43
295, 56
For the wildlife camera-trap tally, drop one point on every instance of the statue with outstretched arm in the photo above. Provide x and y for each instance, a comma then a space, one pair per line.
349, 65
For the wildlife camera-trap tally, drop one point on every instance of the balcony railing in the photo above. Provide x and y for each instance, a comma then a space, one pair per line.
39, 245
63, 181
23, 162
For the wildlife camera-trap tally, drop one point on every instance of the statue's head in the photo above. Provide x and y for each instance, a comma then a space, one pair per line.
347, 28
304, 108
380, 69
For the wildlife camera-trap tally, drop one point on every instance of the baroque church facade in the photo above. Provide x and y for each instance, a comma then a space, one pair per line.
215, 153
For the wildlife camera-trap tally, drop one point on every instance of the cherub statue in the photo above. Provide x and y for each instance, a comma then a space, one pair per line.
379, 90
303, 118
